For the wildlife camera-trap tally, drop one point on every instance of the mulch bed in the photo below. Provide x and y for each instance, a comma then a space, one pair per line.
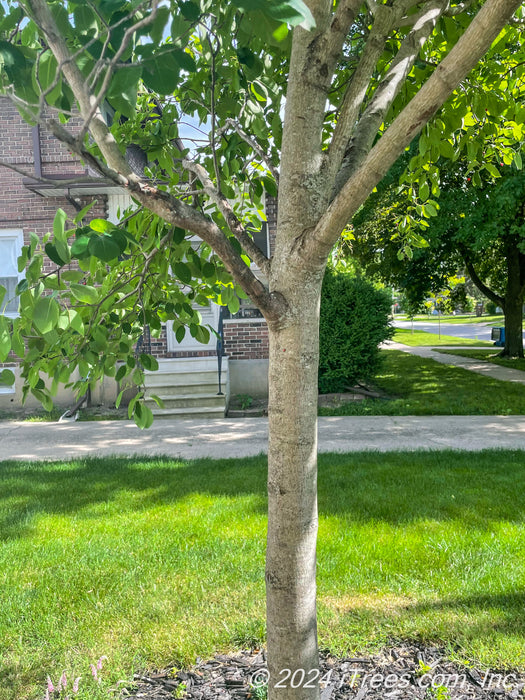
402, 673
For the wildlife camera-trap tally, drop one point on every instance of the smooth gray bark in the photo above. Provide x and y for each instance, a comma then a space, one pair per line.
292, 493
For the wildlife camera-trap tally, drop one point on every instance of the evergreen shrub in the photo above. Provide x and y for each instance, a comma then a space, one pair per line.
354, 321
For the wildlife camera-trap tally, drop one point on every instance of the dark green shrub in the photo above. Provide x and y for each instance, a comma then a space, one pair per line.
354, 321
490, 308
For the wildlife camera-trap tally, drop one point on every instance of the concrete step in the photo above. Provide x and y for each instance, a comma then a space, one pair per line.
183, 378
188, 387
197, 412
182, 389
195, 400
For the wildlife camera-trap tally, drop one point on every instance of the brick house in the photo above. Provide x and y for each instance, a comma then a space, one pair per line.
29, 205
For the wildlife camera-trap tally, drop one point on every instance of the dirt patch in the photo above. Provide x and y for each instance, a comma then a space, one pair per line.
244, 406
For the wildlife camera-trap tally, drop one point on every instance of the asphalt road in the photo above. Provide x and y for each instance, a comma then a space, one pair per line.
474, 331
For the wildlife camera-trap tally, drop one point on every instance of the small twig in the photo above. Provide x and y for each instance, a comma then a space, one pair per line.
253, 144
236, 227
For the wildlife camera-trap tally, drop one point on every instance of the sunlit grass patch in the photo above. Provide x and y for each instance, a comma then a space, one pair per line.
419, 386
156, 562
423, 338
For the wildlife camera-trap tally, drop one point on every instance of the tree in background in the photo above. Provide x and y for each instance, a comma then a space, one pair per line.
358, 82
479, 229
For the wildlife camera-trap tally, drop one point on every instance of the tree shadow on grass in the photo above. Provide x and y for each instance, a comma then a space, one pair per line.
478, 489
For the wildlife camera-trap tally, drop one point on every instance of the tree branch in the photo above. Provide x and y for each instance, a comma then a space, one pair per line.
231, 123
97, 101
356, 90
161, 203
233, 222
312, 64
469, 49
499, 301
385, 94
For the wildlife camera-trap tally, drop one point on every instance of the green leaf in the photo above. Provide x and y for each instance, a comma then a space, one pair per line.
121, 373
104, 248
122, 94
71, 319
294, 12
518, 161
149, 362
178, 235
190, 11
12, 60
208, 271
101, 225
119, 398
84, 293
182, 272
143, 416
429, 209
446, 149
53, 255
47, 71
17, 344
157, 399
5, 338
46, 314
492, 170
121, 239
180, 333
59, 225
80, 247
85, 19
7, 377
72, 275
3, 292
82, 213
234, 305
161, 73
281, 32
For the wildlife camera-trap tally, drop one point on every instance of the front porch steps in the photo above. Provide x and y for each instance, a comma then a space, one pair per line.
188, 388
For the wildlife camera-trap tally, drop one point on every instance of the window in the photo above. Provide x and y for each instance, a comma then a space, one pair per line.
11, 241
260, 238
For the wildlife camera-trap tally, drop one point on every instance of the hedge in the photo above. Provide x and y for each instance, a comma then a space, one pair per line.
354, 321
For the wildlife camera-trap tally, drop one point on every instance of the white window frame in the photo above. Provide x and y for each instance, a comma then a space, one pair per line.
17, 235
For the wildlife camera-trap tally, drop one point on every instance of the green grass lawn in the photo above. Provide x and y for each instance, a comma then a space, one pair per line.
499, 319
423, 387
489, 356
417, 338
155, 562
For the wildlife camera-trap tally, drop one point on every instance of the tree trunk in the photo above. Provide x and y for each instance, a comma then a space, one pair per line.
513, 308
513, 327
293, 660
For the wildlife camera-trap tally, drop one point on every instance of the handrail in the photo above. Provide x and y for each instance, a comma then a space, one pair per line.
220, 348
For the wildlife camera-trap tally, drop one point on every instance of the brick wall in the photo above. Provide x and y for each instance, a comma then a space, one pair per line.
246, 340
21, 208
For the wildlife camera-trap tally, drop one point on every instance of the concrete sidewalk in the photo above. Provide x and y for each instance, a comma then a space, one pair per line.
223, 438
505, 374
